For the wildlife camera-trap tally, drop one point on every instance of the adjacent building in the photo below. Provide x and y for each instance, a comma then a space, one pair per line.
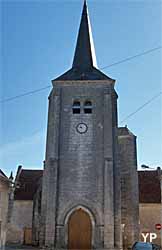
21, 206
150, 206
4, 198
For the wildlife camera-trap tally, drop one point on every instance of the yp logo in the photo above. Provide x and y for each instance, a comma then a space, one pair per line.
149, 237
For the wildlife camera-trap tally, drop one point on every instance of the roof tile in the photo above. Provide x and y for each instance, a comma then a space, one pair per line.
149, 187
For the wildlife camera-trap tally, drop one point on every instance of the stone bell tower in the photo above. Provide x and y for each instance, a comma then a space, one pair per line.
81, 203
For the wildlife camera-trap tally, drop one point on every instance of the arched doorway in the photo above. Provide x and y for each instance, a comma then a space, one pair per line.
79, 230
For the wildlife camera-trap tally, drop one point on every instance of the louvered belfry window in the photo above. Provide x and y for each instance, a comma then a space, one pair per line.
88, 107
76, 107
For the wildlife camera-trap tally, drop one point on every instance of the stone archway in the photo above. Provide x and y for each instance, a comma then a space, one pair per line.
79, 230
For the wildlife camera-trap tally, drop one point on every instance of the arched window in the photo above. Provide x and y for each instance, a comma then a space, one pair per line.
76, 107
88, 107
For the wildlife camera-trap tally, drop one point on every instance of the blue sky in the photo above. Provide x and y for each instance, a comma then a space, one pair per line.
38, 41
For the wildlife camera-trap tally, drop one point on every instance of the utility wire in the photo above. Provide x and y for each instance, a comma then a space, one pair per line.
108, 66
27, 93
141, 107
132, 57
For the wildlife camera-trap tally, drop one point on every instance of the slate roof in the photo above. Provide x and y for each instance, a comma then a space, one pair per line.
84, 65
84, 52
27, 184
78, 74
124, 131
149, 187
3, 176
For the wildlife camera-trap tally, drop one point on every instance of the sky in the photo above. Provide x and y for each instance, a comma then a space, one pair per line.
38, 39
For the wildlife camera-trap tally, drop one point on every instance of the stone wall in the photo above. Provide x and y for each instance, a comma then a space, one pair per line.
4, 192
82, 169
149, 216
21, 218
36, 220
129, 187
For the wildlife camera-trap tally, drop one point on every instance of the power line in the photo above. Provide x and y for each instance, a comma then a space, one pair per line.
141, 107
132, 57
25, 94
108, 66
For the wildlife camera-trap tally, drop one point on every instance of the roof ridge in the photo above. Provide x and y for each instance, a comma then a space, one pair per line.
2, 173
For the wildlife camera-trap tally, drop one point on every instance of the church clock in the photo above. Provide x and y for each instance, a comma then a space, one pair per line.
82, 128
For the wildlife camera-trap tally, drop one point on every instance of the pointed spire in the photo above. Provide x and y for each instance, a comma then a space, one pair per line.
11, 176
84, 53
84, 63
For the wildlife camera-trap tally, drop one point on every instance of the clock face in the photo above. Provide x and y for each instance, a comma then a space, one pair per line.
82, 128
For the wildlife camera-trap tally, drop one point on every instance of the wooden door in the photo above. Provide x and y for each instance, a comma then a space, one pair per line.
27, 236
79, 230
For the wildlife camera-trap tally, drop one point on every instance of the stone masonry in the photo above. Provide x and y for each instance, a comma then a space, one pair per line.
129, 187
83, 167
88, 172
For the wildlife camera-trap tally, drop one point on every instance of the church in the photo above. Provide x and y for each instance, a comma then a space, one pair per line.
88, 196
90, 185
